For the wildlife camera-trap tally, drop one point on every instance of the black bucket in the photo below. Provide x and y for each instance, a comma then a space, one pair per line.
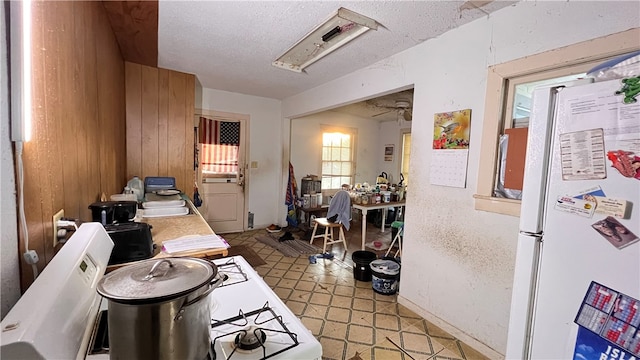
361, 260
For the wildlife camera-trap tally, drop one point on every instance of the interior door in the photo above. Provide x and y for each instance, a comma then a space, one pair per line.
221, 169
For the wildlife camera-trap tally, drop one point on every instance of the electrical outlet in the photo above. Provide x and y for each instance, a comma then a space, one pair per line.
59, 215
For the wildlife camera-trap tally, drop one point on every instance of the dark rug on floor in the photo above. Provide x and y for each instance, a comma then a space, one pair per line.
247, 253
289, 248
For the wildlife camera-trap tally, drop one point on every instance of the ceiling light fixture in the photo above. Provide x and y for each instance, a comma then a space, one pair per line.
343, 26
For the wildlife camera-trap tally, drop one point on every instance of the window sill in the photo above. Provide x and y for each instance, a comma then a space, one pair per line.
497, 205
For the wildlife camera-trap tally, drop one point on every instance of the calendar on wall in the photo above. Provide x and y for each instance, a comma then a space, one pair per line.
450, 148
449, 167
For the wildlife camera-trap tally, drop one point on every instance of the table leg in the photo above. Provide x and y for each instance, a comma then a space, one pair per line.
384, 218
364, 226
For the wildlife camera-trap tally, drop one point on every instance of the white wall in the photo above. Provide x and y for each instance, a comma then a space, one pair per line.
9, 272
458, 262
266, 134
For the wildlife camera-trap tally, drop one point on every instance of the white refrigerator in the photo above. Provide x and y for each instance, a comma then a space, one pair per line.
579, 220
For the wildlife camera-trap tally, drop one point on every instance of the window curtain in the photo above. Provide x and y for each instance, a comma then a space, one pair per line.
220, 144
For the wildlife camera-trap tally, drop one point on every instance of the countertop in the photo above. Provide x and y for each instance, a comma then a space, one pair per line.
172, 227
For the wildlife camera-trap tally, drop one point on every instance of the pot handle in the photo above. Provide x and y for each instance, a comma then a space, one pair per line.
151, 274
212, 286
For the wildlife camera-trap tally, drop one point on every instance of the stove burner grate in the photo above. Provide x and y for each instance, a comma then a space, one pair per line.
254, 337
234, 273
250, 339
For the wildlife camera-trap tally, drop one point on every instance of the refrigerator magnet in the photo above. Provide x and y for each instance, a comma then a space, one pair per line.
582, 155
626, 162
575, 206
616, 233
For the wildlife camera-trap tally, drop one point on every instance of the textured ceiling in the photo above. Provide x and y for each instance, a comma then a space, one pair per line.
229, 45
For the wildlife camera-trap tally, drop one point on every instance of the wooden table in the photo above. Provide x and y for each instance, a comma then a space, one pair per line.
365, 208
173, 227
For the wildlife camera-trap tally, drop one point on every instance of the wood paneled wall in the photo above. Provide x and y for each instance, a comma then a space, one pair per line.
77, 151
160, 127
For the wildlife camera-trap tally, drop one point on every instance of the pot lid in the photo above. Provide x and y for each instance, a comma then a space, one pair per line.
156, 280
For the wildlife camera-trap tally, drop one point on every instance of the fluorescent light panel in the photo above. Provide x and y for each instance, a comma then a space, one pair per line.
312, 48
20, 19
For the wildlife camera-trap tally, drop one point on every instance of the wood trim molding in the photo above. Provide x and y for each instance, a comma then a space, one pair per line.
497, 75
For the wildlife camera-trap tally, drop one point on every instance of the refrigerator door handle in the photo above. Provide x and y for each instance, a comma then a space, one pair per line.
536, 235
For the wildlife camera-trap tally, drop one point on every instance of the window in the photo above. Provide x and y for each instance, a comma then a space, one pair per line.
406, 154
337, 158
220, 145
502, 80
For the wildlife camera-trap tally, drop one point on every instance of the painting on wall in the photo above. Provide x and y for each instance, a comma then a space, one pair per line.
388, 152
450, 148
451, 129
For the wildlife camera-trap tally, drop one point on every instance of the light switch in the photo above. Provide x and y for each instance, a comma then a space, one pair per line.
254, 164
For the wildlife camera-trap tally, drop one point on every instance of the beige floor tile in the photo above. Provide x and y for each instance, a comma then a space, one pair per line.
276, 273
361, 317
341, 301
406, 313
363, 304
344, 290
361, 334
358, 352
388, 322
333, 348
274, 257
315, 311
299, 295
325, 288
386, 354
283, 293
282, 266
271, 281
296, 307
320, 299
297, 267
305, 285
416, 342
470, 353
334, 330
287, 283
314, 325
295, 275
339, 314
285, 259
364, 293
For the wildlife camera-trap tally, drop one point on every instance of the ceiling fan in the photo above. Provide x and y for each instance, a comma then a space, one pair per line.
403, 108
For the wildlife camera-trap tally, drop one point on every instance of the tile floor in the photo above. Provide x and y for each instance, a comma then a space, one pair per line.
350, 320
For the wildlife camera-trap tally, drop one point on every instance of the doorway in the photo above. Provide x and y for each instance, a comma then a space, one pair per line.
221, 176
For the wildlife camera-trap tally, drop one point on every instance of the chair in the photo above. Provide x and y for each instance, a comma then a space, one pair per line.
399, 240
340, 208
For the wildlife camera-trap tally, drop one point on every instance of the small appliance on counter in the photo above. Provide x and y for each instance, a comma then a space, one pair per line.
132, 240
110, 212
153, 184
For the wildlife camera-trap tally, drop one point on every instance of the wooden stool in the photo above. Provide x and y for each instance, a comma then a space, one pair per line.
328, 235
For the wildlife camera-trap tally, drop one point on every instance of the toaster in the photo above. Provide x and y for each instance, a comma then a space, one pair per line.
131, 242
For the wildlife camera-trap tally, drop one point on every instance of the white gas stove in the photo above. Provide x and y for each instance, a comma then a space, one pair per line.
248, 320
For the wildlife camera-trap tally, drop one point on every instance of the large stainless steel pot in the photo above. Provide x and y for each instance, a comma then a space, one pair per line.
158, 309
